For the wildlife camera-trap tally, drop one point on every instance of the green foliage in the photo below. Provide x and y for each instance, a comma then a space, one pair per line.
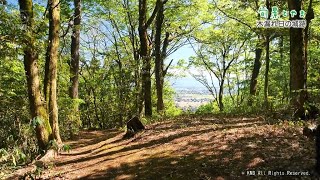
66, 148
172, 110
70, 122
18, 157
15, 157
17, 137
207, 108
168, 94
37, 121
3, 155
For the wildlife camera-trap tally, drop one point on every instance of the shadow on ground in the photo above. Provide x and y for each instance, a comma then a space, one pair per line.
206, 148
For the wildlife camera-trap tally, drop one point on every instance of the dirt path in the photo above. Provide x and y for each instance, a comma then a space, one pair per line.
206, 148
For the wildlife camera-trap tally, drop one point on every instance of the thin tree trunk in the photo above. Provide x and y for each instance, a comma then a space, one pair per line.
309, 17
96, 108
51, 67
266, 75
285, 85
121, 95
221, 105
132, 35
120, 86
37, 108
230, 89
221, 88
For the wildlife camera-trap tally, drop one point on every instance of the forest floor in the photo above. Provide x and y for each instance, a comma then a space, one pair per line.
189, 148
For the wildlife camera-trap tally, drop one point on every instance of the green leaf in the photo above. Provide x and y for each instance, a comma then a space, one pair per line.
14, 160
36, 121
66, 147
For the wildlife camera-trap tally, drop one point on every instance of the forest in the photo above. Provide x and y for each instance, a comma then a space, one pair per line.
87, 89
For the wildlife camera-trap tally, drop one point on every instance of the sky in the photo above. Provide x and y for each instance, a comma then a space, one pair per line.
183, 53
187, 81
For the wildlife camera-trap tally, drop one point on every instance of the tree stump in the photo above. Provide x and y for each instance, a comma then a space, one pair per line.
134, 125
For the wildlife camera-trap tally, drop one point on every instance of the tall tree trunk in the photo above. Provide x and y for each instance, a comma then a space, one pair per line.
144, 23
297, 63
257, 62
74, 63
266, 75
159, 60
144, 54
120, 85
256, 68
75, 56
309, 17
285, 84
50, 86
37, 108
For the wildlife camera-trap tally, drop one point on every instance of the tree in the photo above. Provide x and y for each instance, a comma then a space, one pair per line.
266, 75
50, 80
172, 28
133, 37
216, 56
260, 43
297, 63
159, 71
74, 62
309, 17
75, 55
145, 50
36, 103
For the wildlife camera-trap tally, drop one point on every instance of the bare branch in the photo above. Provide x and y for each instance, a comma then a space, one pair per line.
202, 58
166, 70
153, 15
231, 17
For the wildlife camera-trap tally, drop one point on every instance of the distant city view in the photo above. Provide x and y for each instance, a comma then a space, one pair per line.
190, 94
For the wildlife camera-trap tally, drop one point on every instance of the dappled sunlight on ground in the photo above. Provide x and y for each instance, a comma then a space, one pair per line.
186, 148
